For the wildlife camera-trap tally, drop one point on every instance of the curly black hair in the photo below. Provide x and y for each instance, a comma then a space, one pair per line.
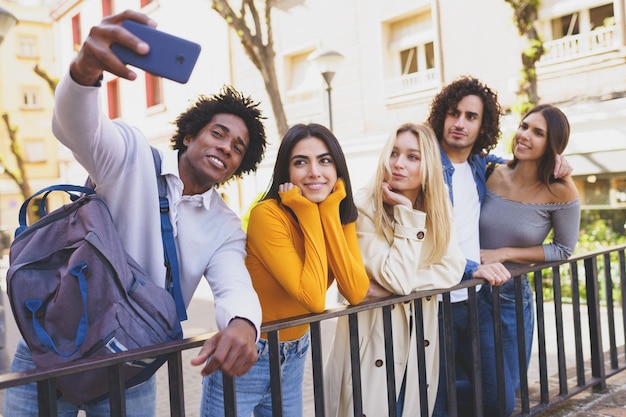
227, 101
449, 97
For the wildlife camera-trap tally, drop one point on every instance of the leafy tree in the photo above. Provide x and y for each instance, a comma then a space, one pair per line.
524, 17
257, 39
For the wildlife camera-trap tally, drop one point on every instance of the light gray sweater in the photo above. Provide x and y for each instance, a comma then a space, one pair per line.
507, 223
209, 238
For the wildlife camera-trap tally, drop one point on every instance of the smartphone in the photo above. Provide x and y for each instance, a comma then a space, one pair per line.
170, 57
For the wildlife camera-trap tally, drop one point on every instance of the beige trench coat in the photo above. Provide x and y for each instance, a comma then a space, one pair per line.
391, 261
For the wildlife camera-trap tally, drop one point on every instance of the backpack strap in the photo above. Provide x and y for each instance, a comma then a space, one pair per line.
67, 188
172, 280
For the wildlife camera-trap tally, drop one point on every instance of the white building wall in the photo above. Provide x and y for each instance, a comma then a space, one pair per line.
476, 38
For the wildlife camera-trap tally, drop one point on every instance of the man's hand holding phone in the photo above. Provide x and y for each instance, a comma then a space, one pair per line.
169, 56
97, 54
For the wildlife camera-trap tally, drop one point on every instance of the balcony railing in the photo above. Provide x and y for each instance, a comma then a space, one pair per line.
595, 42
591, 286
412, 83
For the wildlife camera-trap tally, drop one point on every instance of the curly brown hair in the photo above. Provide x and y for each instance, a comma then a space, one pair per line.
448, 99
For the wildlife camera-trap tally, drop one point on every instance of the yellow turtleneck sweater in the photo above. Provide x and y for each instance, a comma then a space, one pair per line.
293, 262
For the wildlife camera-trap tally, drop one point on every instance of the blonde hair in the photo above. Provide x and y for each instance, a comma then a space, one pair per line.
433, 197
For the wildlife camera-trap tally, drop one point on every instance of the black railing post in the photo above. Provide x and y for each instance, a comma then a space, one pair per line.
595, 328
317, 363
390, 363
610, 312
117, 397
560, 340
175, 378
497, 336
541, 338
355, 364
578, 338
622, 278
476, 378
418, 318
450, 360
47, 398
275, 374
521, 345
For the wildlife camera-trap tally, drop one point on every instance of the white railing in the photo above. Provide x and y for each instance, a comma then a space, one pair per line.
412, 83
584, 44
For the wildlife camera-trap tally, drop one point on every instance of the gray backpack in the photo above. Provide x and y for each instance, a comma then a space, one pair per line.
76, 294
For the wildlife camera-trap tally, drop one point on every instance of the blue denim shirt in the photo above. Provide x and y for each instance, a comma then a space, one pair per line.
478, 165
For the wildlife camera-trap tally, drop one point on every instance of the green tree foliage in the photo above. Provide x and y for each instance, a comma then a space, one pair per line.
524, 17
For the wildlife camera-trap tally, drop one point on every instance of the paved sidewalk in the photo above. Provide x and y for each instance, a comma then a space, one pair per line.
611, 403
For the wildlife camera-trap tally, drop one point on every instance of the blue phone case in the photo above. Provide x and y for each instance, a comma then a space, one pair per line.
169, 57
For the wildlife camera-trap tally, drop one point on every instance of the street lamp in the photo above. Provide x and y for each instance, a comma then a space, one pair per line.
327, 63
7, 21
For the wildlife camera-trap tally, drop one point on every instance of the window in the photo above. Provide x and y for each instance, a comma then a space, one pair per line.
35, 150
154, 94
583, 21
581, 33
304, 87
597, 192
412, 41
302, 74
411, 63
408, 61
429, 55
620, 191
27, 47
77, 36
107, 8
602, 16
31, 98
565, 26
113, 98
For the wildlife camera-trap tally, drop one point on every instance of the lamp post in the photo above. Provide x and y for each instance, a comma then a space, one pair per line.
327, 63
7, 21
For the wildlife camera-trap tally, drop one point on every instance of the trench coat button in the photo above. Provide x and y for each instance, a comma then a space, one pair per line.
378, 363
420, 235
426, 343
429, 297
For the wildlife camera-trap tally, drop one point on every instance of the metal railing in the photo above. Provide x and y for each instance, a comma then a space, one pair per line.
588, 293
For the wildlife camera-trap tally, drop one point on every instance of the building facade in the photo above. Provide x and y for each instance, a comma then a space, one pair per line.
26, 100
397, 55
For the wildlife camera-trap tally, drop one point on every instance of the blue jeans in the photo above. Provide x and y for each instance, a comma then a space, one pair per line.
509, 325
253, 390
21, 401
461, 340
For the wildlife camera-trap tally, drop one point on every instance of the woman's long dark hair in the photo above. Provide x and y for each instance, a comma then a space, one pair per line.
557, 137
347, 208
